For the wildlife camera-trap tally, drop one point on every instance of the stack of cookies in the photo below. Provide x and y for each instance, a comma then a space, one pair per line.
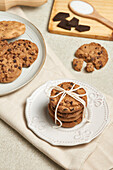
14, 55
70, 111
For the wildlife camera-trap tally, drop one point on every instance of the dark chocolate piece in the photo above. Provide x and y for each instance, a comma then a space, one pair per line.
82, 28
60, 16
73, 22
63, 24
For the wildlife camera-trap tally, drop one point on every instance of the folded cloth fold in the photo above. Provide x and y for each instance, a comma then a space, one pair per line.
74, 158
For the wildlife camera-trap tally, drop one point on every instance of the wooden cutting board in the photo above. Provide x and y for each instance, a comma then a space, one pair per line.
97, 31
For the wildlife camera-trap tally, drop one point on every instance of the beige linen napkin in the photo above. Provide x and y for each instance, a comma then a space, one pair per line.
12, 112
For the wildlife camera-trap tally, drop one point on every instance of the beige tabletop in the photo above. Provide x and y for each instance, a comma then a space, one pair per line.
15, 152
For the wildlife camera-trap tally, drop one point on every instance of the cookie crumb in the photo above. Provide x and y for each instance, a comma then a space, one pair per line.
89, 67
77, 64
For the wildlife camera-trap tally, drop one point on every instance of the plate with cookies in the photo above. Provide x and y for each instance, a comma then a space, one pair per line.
68, 113
22, 52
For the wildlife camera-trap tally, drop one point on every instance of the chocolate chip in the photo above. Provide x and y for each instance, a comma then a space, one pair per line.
22, 50
60, 16
85, 47
24, 43
61, 104
64, 109
71, 102
19, 44
9, 49
75, 65
69, 87
15, 66
72, 109
62, 85
25, 58
14, 61
30, 58
1, 60
14, 57
56, 93
98, 57
27, 48
71, 84
53, 108
99, 53
19, 68
52, 99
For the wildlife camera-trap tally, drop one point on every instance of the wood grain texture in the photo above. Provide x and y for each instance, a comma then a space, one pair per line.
6, 4
97, 31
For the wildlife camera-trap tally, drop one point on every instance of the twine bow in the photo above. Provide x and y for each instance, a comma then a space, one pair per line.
71, 93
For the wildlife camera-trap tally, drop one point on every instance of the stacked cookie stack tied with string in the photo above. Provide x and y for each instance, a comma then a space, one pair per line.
67, 104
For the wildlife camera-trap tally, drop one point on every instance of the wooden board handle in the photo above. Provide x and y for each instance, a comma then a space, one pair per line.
103, 20
6, 4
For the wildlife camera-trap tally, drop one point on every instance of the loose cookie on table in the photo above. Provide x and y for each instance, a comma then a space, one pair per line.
25, 50
3, 47
10, 69
77, 64
68, 104
89, 67
11, 29
93, 53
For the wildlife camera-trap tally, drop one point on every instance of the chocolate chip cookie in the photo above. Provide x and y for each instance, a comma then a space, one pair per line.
10, 69
3, 47
93, 53
26, 50
11, 29
69, 124
77, 64
68, 104
65, 119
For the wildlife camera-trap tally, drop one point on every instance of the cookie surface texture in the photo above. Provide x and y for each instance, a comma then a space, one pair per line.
26, 50
10, 69
3, 47
11, 29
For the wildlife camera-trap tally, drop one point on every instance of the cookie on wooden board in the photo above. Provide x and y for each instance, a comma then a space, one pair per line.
10, 69
11, 29
68, 104
94, 53
26, 50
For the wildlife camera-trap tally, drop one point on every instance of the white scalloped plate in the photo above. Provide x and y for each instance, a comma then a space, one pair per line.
39, 121
34, 35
